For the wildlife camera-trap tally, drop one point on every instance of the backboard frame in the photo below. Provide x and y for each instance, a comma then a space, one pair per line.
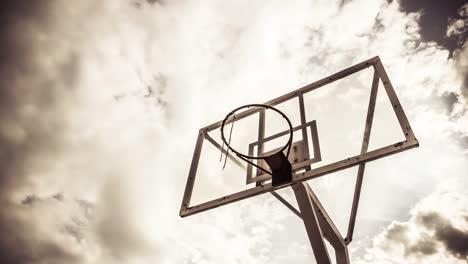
365, 156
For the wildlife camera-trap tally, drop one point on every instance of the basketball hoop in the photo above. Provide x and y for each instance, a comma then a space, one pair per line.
244, 156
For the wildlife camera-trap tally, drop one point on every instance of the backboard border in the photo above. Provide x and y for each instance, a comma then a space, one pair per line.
409, 142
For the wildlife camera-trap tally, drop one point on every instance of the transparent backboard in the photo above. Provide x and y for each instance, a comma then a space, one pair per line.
332, 121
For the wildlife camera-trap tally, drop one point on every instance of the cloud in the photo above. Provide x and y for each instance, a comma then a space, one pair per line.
62, 237
100, 104
29, 96
433, 233
457, 27
435, 17
33, 93
454, 240
41, 153
117, 233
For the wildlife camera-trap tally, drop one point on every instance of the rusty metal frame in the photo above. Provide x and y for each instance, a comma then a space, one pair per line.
364, 148
409, 142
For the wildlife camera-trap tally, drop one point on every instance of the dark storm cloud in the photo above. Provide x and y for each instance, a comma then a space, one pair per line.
446, 23
30, 96
462, 67
31, 122
454, 240
33, 245
40, 71
440, 232
435, 17
399, 233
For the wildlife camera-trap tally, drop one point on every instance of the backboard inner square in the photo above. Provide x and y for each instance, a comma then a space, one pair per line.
299, 155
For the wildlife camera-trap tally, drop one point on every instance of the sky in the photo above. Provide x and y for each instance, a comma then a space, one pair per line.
101, 102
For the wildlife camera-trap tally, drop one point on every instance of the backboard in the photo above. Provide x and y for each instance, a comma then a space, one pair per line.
307, 149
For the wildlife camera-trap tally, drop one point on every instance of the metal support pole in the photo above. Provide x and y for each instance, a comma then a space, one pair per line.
329, 230
364, 148
311, 222
261, 136
304, 129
